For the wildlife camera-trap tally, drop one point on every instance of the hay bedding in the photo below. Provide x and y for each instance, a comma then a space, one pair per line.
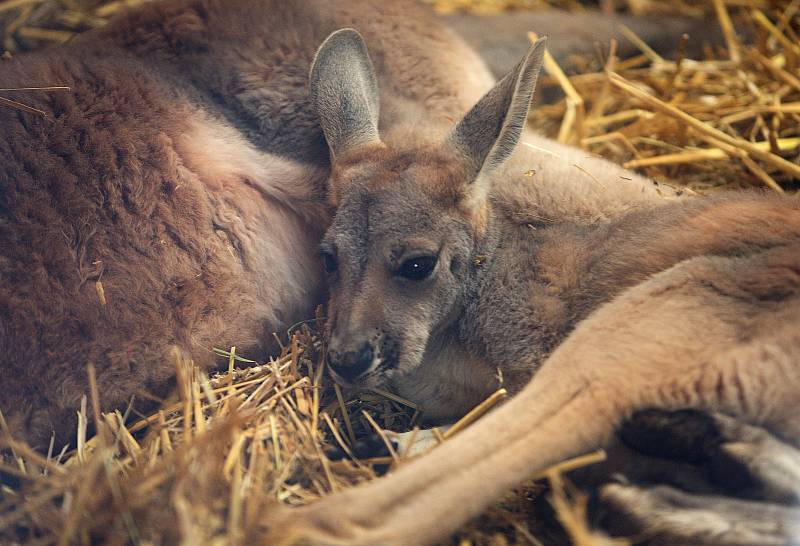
226, 448
730, 120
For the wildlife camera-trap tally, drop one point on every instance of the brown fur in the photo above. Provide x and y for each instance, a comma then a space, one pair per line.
687, 305
185, 172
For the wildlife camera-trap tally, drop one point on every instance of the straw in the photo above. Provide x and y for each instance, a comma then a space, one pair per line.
208, 464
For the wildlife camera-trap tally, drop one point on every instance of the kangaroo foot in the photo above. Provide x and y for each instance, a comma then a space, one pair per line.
663, 514
754, 477
740, 459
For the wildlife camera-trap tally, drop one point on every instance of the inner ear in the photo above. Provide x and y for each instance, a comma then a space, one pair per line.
344, 91
489, 132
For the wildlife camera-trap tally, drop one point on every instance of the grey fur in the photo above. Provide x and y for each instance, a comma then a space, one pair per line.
612, 300
344, 91
667, 515
501, 38
489, 133
688, 304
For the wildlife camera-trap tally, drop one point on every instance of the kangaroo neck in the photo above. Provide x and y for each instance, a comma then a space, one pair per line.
532, 285
541, 280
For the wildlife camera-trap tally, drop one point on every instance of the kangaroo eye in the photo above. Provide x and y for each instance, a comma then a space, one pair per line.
329, 261
417, 268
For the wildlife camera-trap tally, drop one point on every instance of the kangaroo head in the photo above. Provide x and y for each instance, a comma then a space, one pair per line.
409, 225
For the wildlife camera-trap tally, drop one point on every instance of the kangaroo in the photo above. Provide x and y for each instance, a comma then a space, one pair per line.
453, 270
176, 196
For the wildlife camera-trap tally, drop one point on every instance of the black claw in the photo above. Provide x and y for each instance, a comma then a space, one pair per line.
371, 447
335, 453
684, 435
605, 515
733, 476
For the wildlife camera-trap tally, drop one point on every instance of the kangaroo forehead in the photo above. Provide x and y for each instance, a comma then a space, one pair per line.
384, 216
430, 167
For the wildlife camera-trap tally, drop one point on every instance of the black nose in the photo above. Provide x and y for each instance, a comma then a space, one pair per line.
351, 364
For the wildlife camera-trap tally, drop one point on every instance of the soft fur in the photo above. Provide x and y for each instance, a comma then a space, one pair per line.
477, 201
613, 300
184, 176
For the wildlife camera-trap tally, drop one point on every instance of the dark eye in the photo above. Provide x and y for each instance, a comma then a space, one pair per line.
329, 261
418, 268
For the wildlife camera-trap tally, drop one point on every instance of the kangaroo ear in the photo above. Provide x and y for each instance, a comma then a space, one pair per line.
488, 134
344, 92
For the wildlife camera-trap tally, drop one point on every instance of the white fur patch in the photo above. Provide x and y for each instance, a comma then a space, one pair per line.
270, 205
222, 158
413, 443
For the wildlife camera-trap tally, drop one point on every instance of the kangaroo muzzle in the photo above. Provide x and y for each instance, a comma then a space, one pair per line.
350, 365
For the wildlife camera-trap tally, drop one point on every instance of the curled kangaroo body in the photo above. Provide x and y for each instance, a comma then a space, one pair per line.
449, 263
175, 197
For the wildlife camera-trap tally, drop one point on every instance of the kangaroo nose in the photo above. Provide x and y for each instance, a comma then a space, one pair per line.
352, 364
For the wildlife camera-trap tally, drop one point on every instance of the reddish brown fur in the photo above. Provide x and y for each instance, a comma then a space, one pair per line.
587, 270
88, 204
185, 172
